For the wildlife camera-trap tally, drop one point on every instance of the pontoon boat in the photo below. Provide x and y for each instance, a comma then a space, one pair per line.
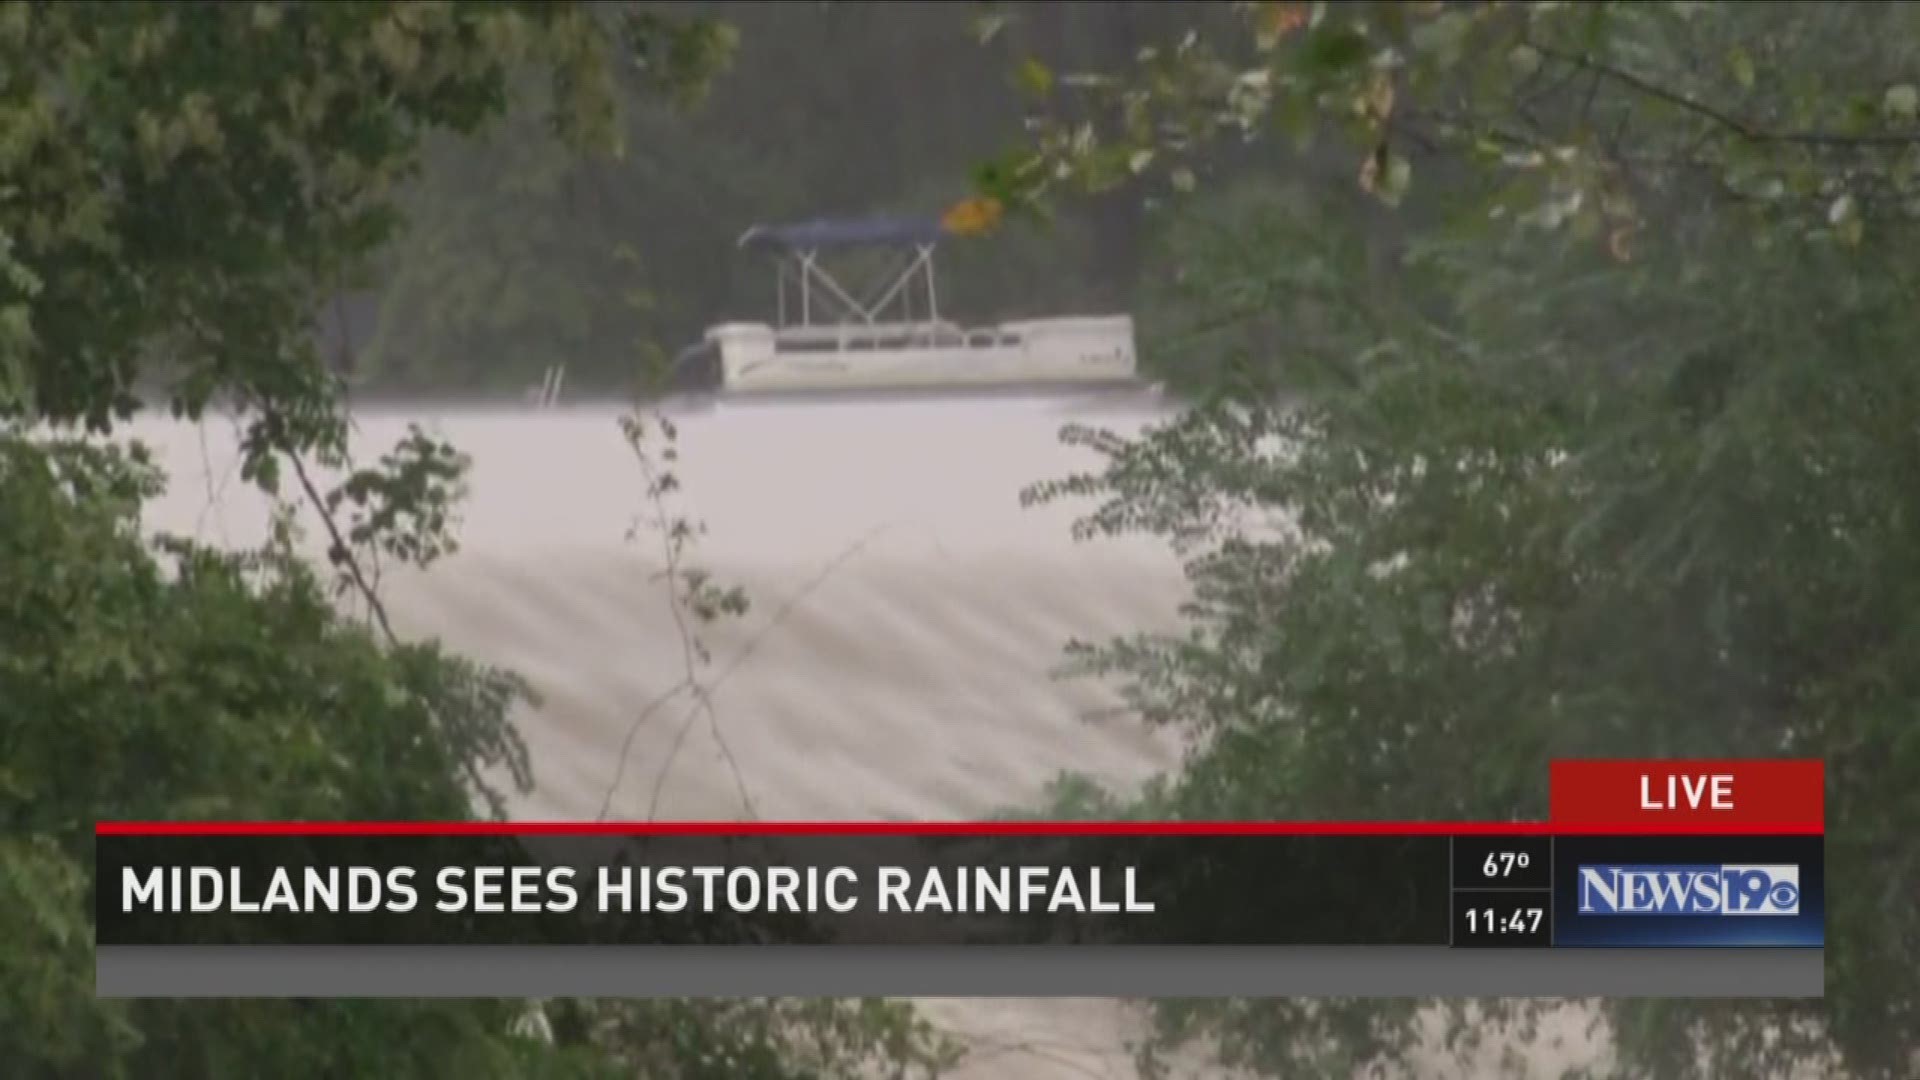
826, 339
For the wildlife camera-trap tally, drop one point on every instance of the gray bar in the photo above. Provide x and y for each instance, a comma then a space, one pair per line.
123, 971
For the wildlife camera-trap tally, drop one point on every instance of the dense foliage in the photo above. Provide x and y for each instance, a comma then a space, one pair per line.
182, 188
1596, 443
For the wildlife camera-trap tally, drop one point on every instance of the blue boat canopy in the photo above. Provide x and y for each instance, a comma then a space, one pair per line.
864, 232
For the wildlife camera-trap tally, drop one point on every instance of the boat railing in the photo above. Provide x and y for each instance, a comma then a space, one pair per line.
856, 337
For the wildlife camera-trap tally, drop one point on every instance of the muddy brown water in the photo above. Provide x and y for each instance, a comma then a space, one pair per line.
900, 657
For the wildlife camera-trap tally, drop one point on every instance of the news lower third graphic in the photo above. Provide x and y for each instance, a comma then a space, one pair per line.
1649, 878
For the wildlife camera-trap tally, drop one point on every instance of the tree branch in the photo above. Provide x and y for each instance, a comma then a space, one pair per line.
1741, 128
340, 552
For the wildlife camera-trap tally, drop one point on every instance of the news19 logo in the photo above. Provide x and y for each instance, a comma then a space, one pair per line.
1690, 890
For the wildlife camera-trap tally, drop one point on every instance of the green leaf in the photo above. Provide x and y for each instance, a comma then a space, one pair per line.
1444, 38
1333, 48
1034, 78
1902, 102
1741, 66
1843, 211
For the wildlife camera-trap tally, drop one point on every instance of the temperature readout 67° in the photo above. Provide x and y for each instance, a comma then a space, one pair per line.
1503, 864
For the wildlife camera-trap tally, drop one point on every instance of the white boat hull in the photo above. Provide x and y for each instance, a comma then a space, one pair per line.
906, 369
1093, 352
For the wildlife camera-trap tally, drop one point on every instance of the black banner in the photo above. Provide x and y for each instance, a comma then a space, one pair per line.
1473, 891
671, 890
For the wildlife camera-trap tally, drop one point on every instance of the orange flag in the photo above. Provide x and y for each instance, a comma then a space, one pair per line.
972, 216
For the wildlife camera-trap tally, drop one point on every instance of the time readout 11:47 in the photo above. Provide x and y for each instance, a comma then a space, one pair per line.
1503, 891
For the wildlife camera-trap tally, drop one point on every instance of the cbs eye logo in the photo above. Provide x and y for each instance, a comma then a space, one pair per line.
1761, 890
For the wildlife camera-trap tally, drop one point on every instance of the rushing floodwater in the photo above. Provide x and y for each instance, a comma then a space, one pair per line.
899, 659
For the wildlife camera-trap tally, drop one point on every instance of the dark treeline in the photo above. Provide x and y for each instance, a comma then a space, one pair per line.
523, 255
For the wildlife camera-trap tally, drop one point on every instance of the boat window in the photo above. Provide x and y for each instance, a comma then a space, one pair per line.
808, 345
856, 338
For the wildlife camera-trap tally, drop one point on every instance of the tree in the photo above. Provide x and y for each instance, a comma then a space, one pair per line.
1606, 458
180, 188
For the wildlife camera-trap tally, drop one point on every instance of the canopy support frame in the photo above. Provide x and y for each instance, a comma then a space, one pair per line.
804, 269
